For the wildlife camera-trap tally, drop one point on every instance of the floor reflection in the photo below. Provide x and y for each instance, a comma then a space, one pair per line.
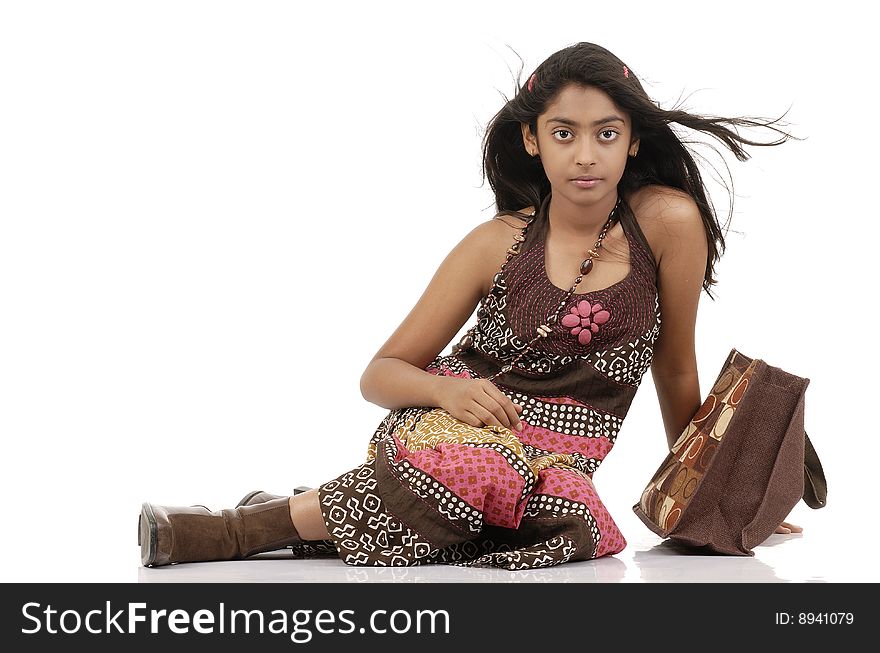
282, 567
671, 561
606, 570
645, 559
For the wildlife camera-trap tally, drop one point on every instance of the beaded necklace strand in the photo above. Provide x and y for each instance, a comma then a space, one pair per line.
543, 330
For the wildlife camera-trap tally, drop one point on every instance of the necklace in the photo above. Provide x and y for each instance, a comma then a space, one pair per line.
543, 330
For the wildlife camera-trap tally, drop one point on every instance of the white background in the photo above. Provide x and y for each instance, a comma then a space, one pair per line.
212, 214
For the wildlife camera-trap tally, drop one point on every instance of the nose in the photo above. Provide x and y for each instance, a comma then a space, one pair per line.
585, 154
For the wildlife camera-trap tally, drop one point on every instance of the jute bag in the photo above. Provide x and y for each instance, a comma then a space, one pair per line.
741, 464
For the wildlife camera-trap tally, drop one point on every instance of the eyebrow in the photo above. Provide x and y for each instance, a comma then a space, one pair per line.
572, 123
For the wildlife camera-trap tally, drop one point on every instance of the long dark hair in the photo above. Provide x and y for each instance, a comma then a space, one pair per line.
518, 180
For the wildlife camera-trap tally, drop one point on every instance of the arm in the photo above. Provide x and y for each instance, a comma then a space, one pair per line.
682, 266
392, 382
395, 377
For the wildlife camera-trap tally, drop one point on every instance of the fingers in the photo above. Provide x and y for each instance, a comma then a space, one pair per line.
785, 528
507, 408
472, 419
485, 416
503, 408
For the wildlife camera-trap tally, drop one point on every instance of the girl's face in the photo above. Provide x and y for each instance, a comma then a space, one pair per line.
581, 133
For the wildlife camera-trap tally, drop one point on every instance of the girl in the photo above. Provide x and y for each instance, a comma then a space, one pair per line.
603, 233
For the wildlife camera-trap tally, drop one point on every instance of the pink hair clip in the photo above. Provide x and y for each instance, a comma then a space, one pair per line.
531, 81
625, 71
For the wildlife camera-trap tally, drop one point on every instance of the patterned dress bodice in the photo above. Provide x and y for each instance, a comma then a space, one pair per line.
575, 388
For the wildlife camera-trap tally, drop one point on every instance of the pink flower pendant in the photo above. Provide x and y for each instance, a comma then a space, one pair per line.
584, 320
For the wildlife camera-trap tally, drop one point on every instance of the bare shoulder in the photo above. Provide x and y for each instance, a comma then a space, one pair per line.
662, 204
498, 231
462, 279
515, 221
490, 240
665, 214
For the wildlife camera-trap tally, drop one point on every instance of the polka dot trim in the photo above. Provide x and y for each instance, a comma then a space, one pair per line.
449, 505
567, 418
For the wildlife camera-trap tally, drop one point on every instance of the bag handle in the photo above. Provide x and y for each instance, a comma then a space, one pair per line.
815, 488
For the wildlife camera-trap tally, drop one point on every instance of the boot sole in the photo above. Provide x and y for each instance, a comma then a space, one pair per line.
148, 535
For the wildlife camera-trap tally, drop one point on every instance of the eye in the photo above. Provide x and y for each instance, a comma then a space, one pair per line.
561, 131
609, 131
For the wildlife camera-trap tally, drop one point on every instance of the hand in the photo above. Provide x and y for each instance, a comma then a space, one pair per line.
785, 528
479, 402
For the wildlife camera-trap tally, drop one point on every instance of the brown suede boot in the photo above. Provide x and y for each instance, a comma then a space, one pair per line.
170, 534
258, 496
255, 497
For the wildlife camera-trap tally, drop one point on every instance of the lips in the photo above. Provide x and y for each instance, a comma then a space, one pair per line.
585, 178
